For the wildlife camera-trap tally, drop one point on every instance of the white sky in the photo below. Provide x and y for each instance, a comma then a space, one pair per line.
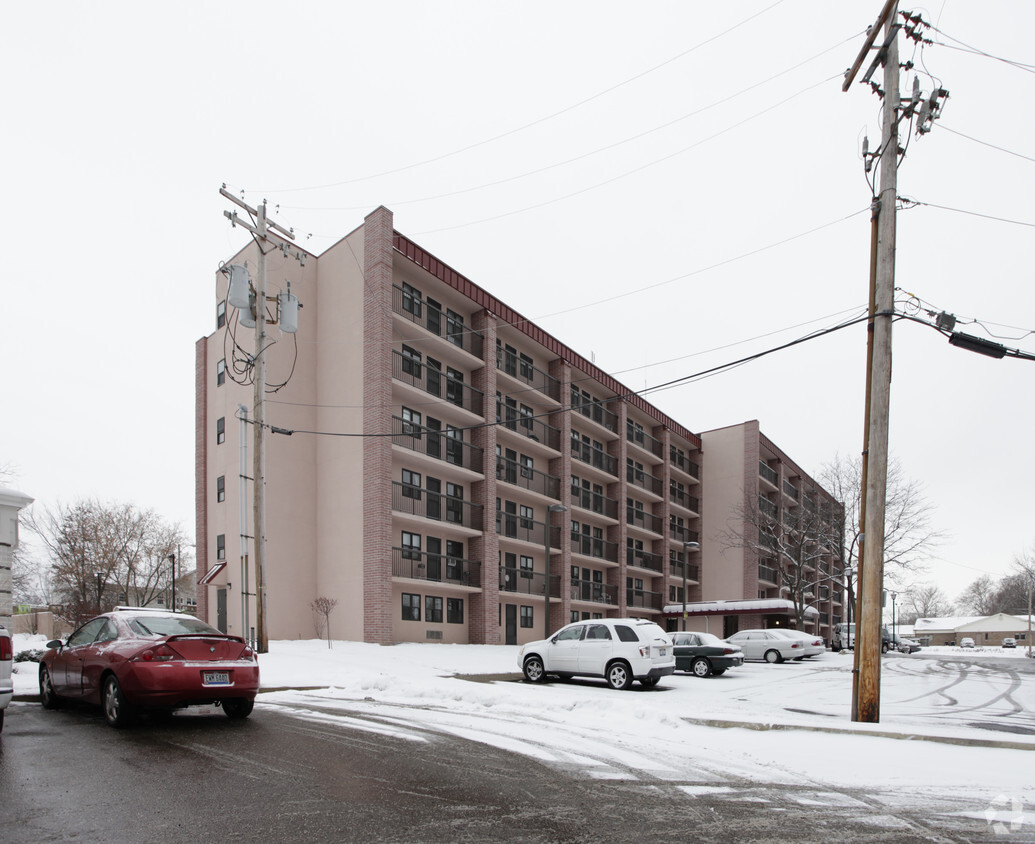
123, 120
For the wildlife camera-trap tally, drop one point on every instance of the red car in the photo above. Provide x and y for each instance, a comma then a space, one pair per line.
133, 659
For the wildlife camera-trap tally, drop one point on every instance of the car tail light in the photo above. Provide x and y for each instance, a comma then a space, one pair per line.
247, 653
795, 644
729, 650
5, 648
645, 651
163, 653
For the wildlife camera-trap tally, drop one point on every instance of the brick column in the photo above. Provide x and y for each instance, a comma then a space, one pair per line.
560, 564
618, 534
377, 411
201, 435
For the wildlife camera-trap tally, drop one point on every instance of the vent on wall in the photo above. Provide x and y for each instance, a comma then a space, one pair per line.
434, 634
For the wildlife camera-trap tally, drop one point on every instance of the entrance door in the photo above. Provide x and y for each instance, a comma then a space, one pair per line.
511, 628
730, 625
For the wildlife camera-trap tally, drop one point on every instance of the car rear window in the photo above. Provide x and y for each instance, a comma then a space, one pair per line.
626, 634
168, 625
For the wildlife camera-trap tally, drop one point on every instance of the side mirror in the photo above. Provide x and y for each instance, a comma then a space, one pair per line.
55, 643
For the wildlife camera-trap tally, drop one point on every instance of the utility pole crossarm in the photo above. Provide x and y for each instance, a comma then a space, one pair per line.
868, 44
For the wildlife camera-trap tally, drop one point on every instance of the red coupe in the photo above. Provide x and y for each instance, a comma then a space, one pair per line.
133, 659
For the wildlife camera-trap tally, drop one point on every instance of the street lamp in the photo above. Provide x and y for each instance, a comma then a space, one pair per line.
553, 508
687, 548
172, 559
894, 632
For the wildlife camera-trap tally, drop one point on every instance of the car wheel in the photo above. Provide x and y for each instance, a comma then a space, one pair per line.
533, 670
773, 656
701, 667
238, 707
884, 648
619, 676
718, 672
649, 682
47, 696
1, 720
117, 712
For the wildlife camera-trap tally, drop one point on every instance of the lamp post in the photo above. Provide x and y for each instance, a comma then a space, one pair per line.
687, 548
553, 508
894, 632
172, 559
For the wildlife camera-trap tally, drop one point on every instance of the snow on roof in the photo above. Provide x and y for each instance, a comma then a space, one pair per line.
779, 605
954, 623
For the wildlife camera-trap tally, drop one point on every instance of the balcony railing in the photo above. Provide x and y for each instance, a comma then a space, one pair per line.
791, 490
407, 498
526, 582
512, 472
767, 473
681, 461
513, 526
645, 520
693, 571
768, 574
434, 443
682, 533
530, 374
594, 457
417, 309
643, 559
644, 480
436, 382
680, 496
596, 411
640, 598
595, 501
529, 426
766, 507
441, 568
593, 546
597, 593
644, 440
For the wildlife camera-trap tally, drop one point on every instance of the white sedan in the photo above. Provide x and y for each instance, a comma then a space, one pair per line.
814, 644
768, 645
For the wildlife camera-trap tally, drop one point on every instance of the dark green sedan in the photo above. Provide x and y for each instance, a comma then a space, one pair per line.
704, 654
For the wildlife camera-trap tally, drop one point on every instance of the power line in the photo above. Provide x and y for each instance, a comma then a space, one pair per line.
912, 202
985, 143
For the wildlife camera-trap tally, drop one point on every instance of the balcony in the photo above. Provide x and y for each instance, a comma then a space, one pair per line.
442, 446
597, 593
529, 426
641, 599
512, 472
790, 490
644, 480
415, 501
513, 526
768, 474
447, 325
646, 521
594, 546
509, 363
643, 559
767, 574
595, 501
437, 383
693, 571
595, 457
681, 533
766, 507
526, 582
440, 568
680, 497
638, 436
685, 464
595, 411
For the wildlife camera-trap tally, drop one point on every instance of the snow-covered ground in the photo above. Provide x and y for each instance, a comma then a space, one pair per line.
970, 715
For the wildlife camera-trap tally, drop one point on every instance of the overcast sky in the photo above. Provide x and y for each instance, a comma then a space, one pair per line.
664, 187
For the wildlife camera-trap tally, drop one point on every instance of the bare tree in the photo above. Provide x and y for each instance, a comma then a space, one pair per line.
924, 600
979, 598
323, 607
101, 554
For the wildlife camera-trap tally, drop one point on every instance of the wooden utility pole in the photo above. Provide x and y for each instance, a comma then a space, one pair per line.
866, 686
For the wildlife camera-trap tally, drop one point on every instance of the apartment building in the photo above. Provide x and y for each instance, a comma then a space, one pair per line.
441, 467
751, 483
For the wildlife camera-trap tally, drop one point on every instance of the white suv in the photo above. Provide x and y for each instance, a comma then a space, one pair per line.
6, 666
618, 649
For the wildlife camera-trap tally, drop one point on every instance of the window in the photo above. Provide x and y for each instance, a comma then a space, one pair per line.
410, 545
526, 367
220, 373
526, 566
455, 328
220, 430
527, 514
454, 503
454, 610
454, 386
432, 609
528, 618
412, 301
221, 547
411, 484
410, 607
221, 488
634, 431
526, 417
411, 361
527, 466
454, 445
411, 422
454, 561
221, 314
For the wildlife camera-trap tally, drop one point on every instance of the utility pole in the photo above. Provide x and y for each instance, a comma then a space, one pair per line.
266, 240
866, 683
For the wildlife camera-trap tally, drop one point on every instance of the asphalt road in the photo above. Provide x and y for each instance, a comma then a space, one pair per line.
285, 777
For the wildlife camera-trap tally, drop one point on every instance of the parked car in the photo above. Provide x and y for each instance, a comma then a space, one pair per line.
1009, 642
138, 659
6, 670
966, 642
704, 654
767, 645
618, 649
814, 645
904, 645
844, 638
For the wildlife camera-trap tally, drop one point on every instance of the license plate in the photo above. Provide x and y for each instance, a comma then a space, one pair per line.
662, 651
215, 678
